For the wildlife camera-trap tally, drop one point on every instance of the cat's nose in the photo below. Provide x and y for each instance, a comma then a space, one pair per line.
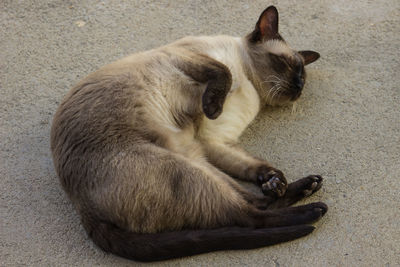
298, 83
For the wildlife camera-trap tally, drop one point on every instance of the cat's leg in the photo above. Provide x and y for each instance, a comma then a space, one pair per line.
239, 207
237, 163
216, 75
296, 191
260, 202
277, 192
298, 215
185, 194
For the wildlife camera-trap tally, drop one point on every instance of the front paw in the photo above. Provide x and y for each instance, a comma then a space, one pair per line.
272, 181
212, 104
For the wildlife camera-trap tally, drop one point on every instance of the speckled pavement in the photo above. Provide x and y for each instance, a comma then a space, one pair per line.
346, 125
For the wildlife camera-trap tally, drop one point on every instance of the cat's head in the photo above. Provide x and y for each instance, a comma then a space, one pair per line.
277, 70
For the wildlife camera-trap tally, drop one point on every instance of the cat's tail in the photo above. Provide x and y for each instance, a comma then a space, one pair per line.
163, 246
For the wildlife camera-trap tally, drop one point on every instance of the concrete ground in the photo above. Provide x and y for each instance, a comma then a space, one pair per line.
346, 126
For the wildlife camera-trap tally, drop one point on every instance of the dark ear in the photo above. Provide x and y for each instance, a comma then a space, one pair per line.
267, 26
309, 56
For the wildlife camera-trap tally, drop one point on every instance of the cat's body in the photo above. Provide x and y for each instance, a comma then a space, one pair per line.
146, 148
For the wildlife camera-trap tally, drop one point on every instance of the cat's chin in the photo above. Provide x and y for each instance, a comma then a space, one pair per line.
293, 98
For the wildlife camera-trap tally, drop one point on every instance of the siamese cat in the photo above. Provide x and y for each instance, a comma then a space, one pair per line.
146, 147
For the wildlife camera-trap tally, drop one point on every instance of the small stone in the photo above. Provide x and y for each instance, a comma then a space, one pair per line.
80, 23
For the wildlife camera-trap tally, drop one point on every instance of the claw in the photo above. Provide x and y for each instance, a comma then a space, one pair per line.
276, 179
314, 185
265, 186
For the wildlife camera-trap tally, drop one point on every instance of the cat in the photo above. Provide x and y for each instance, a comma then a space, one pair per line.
146, 147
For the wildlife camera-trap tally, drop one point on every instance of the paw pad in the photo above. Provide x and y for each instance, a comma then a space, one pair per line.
272, 182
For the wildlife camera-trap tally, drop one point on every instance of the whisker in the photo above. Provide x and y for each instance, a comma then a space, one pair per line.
276, 79
272, 91
294, 108
269, 81
275, 91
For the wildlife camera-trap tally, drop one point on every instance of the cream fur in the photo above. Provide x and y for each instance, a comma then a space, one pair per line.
243, 102
278, 47
240, 109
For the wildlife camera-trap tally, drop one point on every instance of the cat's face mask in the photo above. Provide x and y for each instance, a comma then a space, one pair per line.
279, 69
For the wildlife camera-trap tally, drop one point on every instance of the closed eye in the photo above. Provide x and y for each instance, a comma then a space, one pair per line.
278, 63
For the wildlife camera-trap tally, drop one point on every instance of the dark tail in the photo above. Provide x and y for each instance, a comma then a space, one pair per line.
163, 246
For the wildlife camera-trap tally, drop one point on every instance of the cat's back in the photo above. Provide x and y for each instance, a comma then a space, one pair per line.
141, 90
121, 101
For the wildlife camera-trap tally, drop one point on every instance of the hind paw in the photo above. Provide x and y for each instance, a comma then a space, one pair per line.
312, 184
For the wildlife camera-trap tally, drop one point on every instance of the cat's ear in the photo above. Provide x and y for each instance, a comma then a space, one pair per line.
309, 56
267, 26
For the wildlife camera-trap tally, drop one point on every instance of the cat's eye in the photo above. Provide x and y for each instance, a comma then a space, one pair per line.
279, 63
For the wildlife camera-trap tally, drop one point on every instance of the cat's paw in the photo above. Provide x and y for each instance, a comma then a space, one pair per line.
312, 184
212, 104
299, 189
308, 185
272, 181
309, 213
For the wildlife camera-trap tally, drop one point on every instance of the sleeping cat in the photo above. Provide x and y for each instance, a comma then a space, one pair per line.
146, 147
